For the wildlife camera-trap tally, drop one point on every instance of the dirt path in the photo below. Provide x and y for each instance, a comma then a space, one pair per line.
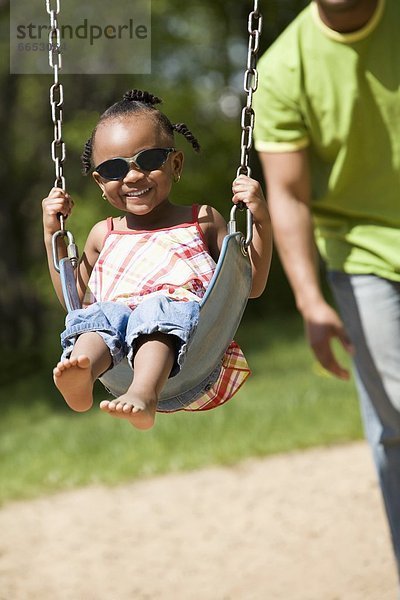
304, 526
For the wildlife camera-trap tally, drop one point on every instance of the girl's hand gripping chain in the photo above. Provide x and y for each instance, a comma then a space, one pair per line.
249, 192
57, 202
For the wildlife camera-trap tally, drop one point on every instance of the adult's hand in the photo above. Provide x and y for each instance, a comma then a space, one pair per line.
322, 325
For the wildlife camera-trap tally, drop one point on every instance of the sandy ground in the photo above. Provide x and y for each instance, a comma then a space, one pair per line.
304, 526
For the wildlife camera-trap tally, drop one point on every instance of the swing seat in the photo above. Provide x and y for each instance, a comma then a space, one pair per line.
221, 310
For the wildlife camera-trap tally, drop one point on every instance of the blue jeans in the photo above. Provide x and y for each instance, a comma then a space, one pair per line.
370, 310
120, 326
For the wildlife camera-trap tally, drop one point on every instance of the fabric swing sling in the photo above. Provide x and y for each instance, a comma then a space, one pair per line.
225, 300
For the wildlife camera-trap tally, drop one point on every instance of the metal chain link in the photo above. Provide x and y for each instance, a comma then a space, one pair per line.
250, 85
57, 147
56, 94
247, 118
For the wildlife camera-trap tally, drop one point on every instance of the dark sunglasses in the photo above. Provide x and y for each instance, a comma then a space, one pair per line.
146, 160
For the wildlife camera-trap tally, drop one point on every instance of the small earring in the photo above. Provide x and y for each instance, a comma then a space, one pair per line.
177, 177
104, 196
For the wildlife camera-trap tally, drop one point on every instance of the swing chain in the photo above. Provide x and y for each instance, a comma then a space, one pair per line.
250, 86
248, 116
58, 152
56, 95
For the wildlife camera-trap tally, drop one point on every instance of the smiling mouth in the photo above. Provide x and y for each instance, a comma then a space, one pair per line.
137, 193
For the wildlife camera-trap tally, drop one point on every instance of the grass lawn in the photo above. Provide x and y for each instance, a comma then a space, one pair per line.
287, 404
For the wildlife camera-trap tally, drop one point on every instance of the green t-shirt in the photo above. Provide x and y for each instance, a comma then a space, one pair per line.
339, 95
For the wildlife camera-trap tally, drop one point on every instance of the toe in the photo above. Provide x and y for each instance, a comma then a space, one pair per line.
83, 361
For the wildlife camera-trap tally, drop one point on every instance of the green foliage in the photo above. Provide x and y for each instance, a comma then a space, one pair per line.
287, 404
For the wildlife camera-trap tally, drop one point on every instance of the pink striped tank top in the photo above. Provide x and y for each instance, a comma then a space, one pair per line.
175, 262
134, 265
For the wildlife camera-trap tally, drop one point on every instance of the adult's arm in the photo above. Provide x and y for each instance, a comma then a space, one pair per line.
288, 186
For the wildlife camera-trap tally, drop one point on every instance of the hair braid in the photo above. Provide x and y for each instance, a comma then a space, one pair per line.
141, 96
86, 157
183, 129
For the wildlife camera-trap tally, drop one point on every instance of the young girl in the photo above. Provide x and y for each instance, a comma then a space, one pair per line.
143, 274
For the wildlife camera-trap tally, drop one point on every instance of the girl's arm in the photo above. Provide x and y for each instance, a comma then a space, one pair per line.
91, 251
214, 229
249, 192
58, 201
213, 226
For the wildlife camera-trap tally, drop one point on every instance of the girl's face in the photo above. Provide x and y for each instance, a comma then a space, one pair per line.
139, 192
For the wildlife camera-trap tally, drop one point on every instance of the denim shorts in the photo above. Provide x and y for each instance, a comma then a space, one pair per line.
120, 326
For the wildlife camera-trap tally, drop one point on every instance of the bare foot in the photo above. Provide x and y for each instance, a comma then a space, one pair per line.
73, 377
140, 412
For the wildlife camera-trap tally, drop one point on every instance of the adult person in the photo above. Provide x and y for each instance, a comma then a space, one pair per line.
328, 137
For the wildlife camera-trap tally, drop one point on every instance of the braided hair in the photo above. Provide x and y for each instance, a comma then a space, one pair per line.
140, 102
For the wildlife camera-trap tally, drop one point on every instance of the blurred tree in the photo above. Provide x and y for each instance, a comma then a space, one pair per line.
19, 303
